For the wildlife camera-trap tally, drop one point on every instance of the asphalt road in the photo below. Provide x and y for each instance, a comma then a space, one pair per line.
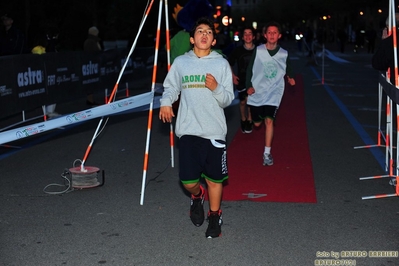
107, 225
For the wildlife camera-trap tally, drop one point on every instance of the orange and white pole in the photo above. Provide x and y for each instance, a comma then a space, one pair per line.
388, 133
171, 134
149, 124
395, 53
380, 196
113, 94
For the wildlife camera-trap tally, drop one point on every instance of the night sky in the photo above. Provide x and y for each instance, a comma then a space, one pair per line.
120, 19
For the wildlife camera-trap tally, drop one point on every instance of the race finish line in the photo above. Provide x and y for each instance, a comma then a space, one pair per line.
78, 117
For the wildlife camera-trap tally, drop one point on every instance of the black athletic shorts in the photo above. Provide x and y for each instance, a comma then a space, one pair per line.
260, 113
199, 157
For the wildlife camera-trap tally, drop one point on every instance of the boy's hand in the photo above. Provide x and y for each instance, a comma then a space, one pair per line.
291, 81
166, 114
210, 82
385, 33
250, 90
235, 79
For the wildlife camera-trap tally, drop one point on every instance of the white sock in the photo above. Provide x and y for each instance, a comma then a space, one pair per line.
267, 150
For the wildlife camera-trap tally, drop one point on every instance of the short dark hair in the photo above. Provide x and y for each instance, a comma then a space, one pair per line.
206, 21
272, 24
248, 28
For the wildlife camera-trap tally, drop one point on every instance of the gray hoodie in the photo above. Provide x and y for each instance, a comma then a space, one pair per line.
200, 110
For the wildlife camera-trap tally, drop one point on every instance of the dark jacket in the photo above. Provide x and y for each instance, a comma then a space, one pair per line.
92, 44
12, 42
384, 56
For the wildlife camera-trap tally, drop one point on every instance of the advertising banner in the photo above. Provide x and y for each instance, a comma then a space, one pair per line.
29, 78
30, 81
63, 77
8, 87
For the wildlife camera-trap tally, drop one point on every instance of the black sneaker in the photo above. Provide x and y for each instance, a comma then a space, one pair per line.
243, 126
248, 127
215, 224
197, 215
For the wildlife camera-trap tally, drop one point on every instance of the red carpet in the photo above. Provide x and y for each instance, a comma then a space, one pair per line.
290, 179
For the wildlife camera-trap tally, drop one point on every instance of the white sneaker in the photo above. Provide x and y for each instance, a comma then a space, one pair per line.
267, 159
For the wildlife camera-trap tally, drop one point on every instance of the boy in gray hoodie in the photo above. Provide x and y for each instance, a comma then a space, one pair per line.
203, 78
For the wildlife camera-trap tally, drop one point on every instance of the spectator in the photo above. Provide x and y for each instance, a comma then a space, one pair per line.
52, 40
309, 36
92, 44
359, 39
383, 58
12, 41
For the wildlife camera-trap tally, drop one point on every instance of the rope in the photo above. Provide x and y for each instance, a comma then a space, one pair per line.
67, 184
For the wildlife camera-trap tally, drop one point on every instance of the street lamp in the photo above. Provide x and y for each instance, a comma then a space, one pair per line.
225, 21
255, 25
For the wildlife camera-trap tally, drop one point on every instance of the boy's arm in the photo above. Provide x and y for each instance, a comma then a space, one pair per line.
232, 61
171, 86
170, 95
236, 79
248, 83
224, 92
289, 72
